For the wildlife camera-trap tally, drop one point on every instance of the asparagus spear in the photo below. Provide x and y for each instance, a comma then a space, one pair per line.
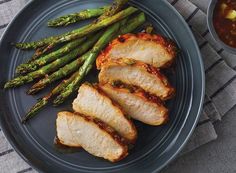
73, 66
45, 100
108, 11
24, 79
43, 50
21, 80
79, 32
88, 64
33, 65
91, 56
87, 14
130, 26
76, 17
38, 52
113, 9
62, 72
149, 29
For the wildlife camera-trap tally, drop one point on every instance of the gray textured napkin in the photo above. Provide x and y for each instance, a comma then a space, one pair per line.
219, 67
220, 79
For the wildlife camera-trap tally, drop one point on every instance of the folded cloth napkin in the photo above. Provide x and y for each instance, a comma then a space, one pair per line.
220, 72
220, 79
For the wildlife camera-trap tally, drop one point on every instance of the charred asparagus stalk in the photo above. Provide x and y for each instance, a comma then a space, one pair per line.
88, 64
43, 50
45, 100
113, 9
35, 64
44, 71
24, 79
62, 72
78, 32
55, 65
76, 17
130, 26
87, 14
38, 52
91, 55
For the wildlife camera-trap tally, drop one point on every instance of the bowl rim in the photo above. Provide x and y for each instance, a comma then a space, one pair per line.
210, 12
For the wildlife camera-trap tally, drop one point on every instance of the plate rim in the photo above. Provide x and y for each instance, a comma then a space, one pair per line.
10, 138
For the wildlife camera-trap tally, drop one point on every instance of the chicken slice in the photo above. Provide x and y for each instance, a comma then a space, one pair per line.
90, 101
151, 49
138, 74
138, 105
93, 135
64, 132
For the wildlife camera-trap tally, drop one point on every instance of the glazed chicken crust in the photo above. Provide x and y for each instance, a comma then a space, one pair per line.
137, 104
94, 102
137, 74
152, 49
92, 134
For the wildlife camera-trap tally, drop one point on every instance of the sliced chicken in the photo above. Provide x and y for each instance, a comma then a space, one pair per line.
63, 128
151, 49
91, 134
138, 105
138, 74
90, 101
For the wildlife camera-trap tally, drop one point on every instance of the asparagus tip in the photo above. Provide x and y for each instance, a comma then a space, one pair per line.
35, 109
8, 85
59, 100
17, 45
30, 92
24, 120
20, 69
52, 23
29, 115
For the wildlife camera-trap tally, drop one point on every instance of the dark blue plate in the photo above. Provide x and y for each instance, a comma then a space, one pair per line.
156, 146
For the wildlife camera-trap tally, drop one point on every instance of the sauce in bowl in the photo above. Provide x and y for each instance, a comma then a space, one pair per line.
224, 21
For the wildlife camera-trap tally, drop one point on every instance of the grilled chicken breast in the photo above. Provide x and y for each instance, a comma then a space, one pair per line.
90, 101
151, 49
91, 134
138, 105
64, 132
138, 74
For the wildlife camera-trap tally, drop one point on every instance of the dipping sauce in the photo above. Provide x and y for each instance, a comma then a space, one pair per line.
224, 20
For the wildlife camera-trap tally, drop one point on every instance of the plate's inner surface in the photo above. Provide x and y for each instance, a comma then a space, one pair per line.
40, 131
